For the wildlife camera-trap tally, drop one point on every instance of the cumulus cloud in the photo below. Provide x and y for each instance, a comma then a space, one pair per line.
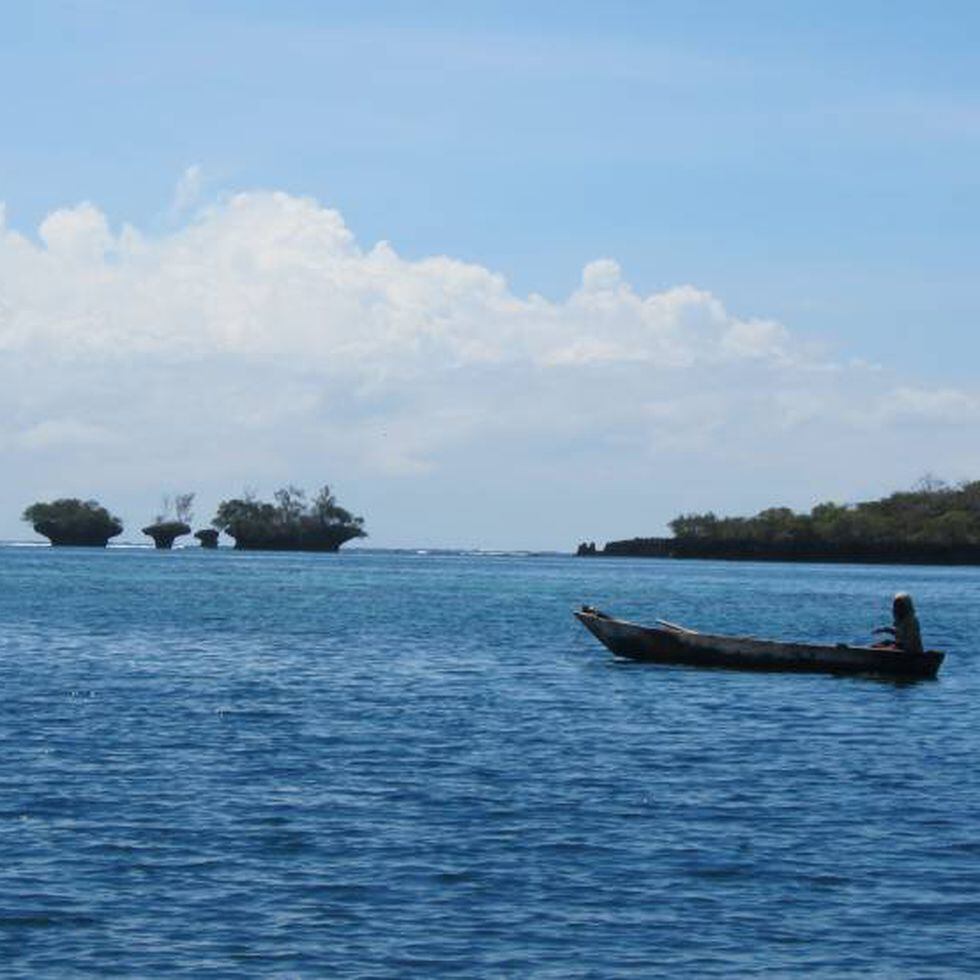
274, 275
79, 234
260, 341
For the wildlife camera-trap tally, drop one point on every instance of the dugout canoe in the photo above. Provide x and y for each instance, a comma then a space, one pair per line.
668, 643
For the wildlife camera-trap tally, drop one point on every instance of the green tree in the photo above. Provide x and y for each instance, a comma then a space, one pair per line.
71, 521
291, 523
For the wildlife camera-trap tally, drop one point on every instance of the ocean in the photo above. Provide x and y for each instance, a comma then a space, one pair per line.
376, 764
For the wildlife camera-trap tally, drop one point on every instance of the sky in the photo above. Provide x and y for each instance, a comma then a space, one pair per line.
505, 275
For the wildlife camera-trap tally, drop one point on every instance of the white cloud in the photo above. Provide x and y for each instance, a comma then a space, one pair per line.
602, 276
260, 342
274, 275
187, 193
78, 234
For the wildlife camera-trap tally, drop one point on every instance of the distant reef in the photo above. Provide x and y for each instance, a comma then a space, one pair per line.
290, 524
932, 524
164, 533
73, 522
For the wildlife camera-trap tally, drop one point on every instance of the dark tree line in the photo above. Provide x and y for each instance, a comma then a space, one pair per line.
934, 522
929, 515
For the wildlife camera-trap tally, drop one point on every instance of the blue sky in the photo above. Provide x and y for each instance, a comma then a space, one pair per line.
818, 163
815, 165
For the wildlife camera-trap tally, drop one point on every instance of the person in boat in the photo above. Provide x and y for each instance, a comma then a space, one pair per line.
905, 625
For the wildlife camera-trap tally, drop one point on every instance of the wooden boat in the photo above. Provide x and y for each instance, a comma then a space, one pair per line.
669, 643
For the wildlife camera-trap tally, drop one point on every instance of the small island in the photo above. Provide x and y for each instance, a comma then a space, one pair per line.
70, 522
208, 537
164, 533
932, 524
172, 522
290, 524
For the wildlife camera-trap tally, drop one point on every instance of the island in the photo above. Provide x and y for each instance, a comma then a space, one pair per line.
290, 524
208, 537
172, 521
164, 533
70, 522
931, 524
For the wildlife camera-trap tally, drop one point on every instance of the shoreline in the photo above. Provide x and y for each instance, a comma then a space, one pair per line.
796, 552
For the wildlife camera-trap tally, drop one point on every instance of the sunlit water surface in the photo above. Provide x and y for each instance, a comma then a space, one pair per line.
383, 765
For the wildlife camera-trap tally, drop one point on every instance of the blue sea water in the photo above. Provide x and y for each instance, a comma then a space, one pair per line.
387, 765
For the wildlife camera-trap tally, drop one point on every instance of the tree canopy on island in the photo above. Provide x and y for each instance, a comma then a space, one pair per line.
70, 521
933, 514
932, 523
292, 523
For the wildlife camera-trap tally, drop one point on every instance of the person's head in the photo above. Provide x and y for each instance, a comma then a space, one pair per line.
902, 605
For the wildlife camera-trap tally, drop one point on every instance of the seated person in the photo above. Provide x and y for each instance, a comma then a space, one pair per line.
905, 626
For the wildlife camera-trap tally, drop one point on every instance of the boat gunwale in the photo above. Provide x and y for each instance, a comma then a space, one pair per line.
799, 656
684, 634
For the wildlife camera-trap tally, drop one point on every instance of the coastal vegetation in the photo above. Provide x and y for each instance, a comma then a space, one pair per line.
291, 523
172, 522
73, 522
933, 522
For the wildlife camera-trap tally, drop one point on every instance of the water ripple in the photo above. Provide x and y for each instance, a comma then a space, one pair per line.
373, 766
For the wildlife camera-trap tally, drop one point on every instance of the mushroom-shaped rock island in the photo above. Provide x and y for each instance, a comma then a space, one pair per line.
164, 533
290, 524
73, 522
208, 537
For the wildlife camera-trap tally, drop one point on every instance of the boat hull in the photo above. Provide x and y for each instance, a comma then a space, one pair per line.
671, 645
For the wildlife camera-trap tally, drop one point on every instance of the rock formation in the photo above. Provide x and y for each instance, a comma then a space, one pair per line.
165, 532
290, 524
